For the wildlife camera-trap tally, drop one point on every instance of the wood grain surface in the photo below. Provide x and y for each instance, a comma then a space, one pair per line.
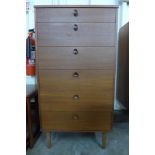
86, 57
57, 80
88, 34
76, 6
76, 87
76, 100
67, 15
76, 121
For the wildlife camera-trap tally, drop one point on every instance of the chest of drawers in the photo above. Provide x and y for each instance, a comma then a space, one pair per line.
76, 67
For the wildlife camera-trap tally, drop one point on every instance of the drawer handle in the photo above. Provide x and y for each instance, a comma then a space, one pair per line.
75, 51
76, 74
75, 27
76, 97
75, 13
75, 117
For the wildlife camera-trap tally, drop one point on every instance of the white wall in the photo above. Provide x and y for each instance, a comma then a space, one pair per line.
123, 13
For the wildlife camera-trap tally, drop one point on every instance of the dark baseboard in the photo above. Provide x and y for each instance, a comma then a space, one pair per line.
121, 116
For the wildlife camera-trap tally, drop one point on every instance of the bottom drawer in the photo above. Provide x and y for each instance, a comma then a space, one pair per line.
76, 121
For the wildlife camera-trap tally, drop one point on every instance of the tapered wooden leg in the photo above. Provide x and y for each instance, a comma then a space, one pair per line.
104, 139
49, 144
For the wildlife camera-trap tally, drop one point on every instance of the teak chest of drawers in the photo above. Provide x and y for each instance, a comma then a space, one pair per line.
76, 67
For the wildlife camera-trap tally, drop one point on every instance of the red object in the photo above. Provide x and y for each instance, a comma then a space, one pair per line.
30, 67
30, 63
32, 39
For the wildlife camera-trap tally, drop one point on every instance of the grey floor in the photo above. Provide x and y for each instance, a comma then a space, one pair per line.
85, 143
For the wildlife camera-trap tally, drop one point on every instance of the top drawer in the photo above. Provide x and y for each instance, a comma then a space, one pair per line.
75, 14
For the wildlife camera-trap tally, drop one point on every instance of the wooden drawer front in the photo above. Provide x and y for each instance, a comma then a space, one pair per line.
88, 34
56, 80
76, 121
76, 100
76, 57
67, 15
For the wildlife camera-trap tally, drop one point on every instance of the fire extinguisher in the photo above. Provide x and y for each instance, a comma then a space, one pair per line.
30, 54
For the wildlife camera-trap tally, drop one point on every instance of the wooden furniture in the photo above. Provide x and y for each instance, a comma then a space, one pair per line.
76, 67
123, 67
32, 115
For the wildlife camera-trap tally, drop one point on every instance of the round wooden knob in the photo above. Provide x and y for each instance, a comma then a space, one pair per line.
75, 13
75, 51
75, 27
76, 74
75, 117
76, 97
